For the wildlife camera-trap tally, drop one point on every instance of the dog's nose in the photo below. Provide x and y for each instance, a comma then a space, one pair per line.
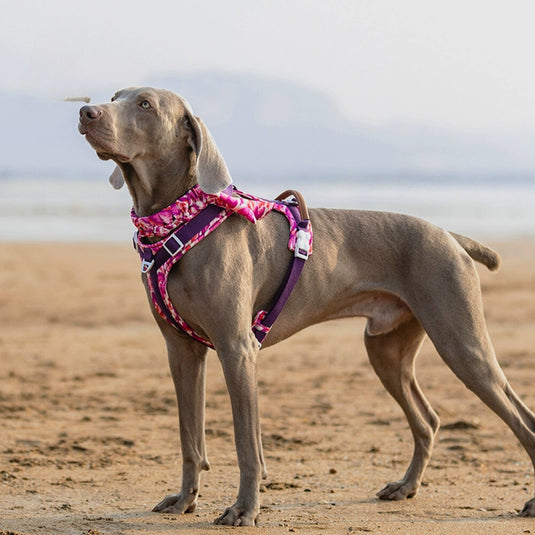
89, 114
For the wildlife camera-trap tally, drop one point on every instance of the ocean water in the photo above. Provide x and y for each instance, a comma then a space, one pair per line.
90, 210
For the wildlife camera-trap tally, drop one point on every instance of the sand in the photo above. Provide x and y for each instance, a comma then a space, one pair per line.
88, 424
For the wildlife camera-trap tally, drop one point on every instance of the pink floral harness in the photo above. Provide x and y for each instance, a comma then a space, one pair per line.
190, 219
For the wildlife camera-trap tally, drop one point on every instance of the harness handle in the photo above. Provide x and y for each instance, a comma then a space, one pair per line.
301, 204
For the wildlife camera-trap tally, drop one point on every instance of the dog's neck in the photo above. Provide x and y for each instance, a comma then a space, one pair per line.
156, 186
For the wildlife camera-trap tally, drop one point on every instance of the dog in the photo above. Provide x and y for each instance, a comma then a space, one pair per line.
408, 277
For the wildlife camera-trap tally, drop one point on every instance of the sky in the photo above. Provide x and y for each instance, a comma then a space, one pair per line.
464, 64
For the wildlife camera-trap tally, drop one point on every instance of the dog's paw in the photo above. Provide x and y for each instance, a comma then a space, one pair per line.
176, 504
529, 509
398, 490
237, 516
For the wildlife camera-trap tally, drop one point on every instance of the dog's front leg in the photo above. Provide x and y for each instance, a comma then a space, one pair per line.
239, 368
187, 361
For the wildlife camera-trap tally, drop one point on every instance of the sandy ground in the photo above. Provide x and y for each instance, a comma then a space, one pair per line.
88, 425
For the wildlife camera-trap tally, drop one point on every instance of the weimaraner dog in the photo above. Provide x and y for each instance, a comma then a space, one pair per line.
406, 276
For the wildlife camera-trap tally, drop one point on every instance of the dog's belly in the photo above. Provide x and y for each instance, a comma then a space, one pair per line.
385, 311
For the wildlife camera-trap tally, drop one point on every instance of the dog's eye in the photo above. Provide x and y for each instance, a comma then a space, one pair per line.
145, 104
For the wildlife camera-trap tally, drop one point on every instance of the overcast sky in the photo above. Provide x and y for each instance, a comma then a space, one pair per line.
461, 63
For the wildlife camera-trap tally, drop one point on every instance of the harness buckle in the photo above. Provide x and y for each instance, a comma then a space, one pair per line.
135, 241
302, 244
146, 265
177, 243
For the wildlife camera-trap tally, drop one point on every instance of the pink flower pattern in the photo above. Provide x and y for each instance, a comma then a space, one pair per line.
181, 212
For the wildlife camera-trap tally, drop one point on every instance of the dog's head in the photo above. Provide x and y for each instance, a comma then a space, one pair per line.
151, 132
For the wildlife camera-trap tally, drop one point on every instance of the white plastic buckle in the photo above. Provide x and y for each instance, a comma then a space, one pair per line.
302, 244
178, 242
146, 265
135, 241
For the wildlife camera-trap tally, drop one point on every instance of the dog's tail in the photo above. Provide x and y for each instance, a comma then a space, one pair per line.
479, 252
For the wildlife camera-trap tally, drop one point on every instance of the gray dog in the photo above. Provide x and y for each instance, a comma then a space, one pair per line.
406, 276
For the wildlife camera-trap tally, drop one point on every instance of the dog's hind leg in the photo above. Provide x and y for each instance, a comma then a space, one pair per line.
392, 356
458, 330
476, 366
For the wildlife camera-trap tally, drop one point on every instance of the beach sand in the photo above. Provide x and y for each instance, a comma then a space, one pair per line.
88, 422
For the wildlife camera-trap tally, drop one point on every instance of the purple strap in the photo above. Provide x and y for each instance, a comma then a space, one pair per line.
262, 328
176, 240
171, 246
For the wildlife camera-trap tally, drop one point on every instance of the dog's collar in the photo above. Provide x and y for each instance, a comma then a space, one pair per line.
185, 208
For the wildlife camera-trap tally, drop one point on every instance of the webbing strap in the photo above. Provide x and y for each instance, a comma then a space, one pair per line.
264, 322
177, 243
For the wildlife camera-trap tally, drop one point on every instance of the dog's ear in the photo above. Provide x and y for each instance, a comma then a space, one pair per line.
212, 173
116, 178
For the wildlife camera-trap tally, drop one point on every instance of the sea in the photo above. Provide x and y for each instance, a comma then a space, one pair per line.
89, 210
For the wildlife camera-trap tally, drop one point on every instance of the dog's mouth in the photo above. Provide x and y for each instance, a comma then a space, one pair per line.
82, 129
119, 158
103, 152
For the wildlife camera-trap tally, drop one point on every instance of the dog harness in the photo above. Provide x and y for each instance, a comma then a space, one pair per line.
190, 219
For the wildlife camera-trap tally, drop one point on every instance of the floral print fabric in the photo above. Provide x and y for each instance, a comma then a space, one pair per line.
183, 210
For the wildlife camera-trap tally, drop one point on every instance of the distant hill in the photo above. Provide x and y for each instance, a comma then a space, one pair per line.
263, 127
266, 126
